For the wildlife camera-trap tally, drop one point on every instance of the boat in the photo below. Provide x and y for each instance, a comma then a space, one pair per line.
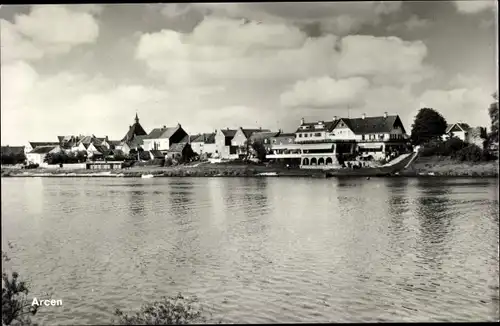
147, 176
382, 171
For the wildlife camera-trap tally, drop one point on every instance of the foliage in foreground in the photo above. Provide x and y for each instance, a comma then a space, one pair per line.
16, 308
457, 149
175, 310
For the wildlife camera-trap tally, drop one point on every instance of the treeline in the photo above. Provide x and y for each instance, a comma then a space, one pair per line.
13, 158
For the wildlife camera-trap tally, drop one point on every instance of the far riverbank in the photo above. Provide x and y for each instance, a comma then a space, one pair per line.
423, 166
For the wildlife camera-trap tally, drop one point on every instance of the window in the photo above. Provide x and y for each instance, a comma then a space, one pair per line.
318, 134
305, 135
300, 135
362, 137
265, 141
381, 136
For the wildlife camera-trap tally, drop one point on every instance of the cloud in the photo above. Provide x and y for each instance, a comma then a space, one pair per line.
475, 6
48, 30
390, 59
228, 49
468, 105
66, 103
325, 92
336, 17
414, 23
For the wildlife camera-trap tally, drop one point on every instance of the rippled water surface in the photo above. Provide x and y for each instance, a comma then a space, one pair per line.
259, 250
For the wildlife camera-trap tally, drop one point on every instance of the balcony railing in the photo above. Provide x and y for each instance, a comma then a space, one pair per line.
319, 141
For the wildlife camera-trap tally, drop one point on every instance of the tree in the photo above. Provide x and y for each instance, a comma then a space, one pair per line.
260, 150
429, 124
81, 156
493, 111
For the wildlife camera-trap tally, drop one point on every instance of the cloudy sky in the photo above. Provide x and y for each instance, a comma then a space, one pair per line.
87, 69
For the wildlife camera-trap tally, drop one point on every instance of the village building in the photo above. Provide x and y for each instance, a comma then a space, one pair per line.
203, 143
162, 138
457, 130
223, 147
179, 151
32, 145
318, 143
241, 139
37, 155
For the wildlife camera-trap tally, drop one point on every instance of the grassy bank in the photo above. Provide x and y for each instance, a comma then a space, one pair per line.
445, 166
201, 170
437, 166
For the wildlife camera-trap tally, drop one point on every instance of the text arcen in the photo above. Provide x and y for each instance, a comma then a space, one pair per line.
47, 303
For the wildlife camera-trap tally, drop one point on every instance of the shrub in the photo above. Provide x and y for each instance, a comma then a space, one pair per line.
168, 161
16, 308
473, 153
176, 310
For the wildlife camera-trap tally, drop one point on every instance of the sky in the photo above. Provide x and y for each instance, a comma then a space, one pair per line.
89, 68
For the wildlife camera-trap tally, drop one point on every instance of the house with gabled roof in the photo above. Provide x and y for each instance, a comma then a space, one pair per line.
162, 138
317, 143
37, 155
242, 139
223, 147
32, 145
457, 130
203, 143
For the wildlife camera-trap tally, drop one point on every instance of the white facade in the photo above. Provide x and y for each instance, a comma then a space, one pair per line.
201, 147
161, 144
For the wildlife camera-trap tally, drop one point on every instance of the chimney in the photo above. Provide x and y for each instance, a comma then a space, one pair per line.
260, 128
334, 118
107, 138
363, 116
164, 127
385, 114
302, 121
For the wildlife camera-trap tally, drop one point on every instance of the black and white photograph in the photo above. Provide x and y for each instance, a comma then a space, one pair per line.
249, 162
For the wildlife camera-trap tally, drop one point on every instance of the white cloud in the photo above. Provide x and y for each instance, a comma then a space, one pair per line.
337, 17
222, 49
468, 105
42, 107
387, 59
47, 30
325, 92
475, 6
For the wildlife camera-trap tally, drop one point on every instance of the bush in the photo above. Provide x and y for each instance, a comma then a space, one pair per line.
31, 166
472, 153
169, 161
176, 310
16, 308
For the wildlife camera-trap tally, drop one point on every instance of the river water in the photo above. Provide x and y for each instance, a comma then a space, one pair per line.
256, 250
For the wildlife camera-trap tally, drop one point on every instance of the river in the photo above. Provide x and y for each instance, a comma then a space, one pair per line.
256, 250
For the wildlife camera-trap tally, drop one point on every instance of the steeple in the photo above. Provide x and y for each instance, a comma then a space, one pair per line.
136, 118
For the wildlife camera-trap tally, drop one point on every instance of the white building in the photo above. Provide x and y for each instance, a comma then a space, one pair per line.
204, 144
318, 143
37, 155
162, 138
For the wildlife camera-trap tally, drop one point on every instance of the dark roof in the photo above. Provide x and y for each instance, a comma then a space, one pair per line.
461, 125
185, 139
261, 135
229, 132
177, 148
204, 138
137, 141
365, 125
133, 131
42, 150
285, 135
38, 144
61, 138
157, 154
12, 150
101, 149
249, 132
163, 132
193, 137
372, 125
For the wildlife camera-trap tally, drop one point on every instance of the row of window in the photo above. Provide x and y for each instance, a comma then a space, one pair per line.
317, 134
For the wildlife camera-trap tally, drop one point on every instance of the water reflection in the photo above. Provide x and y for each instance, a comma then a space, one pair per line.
434, 217
136, 199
